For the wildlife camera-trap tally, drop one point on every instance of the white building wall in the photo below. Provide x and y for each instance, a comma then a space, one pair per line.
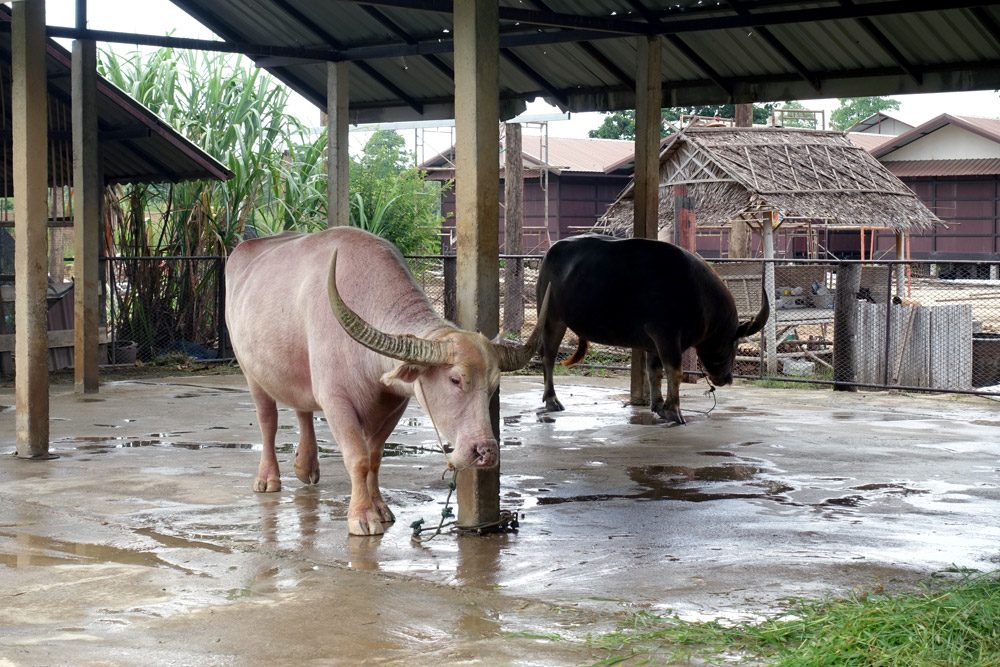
948, 143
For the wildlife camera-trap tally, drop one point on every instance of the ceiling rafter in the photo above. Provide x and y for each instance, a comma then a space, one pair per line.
809, 77
597, 55
395, 29
886, 45
699, 62
365, 67
532, 74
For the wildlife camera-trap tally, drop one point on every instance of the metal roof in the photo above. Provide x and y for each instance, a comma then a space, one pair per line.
928, 168
581, 54
565, 154
136, 145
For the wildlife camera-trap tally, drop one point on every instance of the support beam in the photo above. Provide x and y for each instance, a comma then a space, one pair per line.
901, 268
646, 194
477, 214
770, 334
338, 205
87, 185
513, 216
28, 104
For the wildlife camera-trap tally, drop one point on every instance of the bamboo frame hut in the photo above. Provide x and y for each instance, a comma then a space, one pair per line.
798, 176
770, 177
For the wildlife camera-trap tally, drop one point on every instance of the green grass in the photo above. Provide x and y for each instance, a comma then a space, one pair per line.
957, 625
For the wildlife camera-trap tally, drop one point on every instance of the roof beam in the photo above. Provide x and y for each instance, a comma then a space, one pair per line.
596, 55
779, 46
886, 45
987, 21
365, 67
528, 70
395, 29
700, 63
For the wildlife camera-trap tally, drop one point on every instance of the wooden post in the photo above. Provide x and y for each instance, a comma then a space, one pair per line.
87, 193
338, 207
771, 328
646, 195
901, 268
30, 141
845, 326
685, 236
513, 181
477, 212
739, 230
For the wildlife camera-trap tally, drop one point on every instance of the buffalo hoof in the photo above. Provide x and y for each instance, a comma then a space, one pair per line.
368, 523
384, 512
553, 405
266, 485
309, 473
672, 416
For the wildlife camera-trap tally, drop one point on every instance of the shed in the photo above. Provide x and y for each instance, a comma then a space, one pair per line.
816, 180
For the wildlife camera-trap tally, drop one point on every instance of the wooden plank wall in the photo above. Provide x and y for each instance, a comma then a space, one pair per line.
929, 346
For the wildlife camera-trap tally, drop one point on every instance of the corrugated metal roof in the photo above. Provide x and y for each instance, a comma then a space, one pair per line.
136, 145
927, 168
581, 54
579, 155
564, 154
869, 141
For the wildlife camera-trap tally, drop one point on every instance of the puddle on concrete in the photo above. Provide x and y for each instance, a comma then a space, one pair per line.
399, 449
889, 488
41, 550
689, 484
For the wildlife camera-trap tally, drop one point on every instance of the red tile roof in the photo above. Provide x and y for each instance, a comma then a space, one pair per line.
921, 168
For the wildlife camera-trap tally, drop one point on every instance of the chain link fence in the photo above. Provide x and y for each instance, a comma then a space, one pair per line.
904, 325
900, 325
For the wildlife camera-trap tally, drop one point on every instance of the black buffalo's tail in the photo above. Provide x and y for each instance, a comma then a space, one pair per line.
577, 357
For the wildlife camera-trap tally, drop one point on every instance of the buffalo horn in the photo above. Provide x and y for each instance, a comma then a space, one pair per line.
404, 347
514, 357
757, 323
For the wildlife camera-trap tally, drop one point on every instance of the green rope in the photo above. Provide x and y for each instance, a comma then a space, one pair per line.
506, 523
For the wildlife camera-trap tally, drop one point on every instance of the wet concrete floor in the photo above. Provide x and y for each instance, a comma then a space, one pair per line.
143, 544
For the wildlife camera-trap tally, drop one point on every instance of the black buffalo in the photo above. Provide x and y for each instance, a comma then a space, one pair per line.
641, 294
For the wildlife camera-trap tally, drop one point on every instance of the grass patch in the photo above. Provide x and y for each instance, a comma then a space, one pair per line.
956, 625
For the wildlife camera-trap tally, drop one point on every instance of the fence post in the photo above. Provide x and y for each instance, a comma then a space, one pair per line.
220, 305
888, 324
845, 326
450, 279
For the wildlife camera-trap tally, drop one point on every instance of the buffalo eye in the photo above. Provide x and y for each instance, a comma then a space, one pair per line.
456, 380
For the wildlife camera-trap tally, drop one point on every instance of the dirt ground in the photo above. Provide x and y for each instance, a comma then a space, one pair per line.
143, 544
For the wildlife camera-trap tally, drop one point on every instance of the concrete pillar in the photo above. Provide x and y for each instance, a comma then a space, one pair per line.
685, 236
87, 185
771, 328
646, 195
338, 211
477, 213
30, 141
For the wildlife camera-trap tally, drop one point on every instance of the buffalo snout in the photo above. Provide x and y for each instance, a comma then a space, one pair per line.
476, 453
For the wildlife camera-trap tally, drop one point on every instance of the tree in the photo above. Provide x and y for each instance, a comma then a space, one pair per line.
854, 109
621, 124
391, 198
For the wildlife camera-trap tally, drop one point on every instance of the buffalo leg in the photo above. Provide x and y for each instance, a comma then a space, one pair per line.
376, 443
268, 478
654, 376
306, 456
670, 361
363, 518
551, 337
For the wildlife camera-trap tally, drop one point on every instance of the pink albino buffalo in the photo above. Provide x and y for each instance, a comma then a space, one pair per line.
299, 343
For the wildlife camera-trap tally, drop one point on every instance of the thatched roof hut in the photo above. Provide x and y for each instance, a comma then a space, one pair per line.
804, 175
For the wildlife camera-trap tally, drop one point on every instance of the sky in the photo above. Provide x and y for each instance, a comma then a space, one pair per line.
162, 17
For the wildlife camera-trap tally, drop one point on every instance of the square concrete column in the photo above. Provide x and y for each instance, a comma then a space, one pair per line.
87, 186
477, 152
646, 196
30, 146
337, 170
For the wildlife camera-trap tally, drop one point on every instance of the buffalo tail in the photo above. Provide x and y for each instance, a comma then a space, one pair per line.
581, 352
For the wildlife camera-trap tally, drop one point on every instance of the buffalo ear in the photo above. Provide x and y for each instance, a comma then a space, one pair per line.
405, 373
